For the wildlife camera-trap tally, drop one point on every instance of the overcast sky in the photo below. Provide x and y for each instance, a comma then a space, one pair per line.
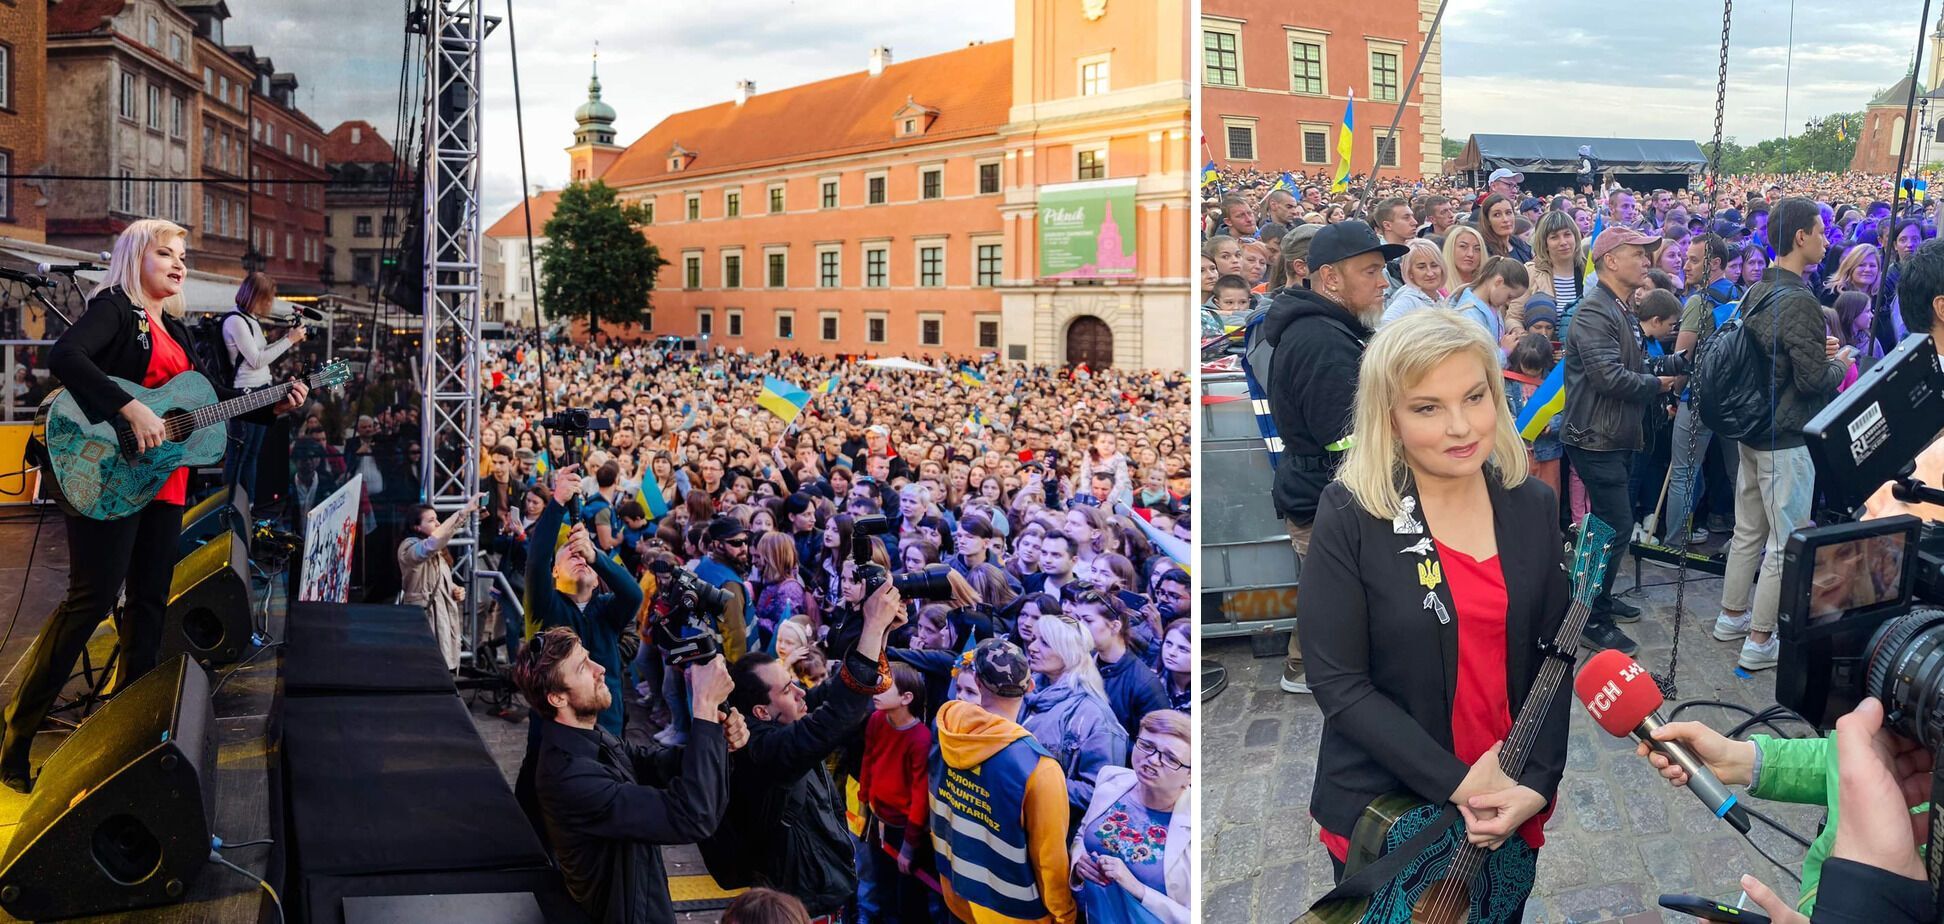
1572, 67
656, 59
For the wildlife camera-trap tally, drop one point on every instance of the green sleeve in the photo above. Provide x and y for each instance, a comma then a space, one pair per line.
1793, 769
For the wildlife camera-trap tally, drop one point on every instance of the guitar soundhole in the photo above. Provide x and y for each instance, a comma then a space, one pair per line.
1446, 902
180, 425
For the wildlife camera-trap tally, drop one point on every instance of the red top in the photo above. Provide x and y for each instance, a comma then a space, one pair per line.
1481, 712
895, 779
166, 361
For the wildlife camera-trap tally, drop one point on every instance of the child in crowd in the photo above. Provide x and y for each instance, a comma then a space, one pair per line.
894, 784
1526, 369
1500, 282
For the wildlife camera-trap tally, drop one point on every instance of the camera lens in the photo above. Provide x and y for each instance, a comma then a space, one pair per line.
1906, 672
928, 584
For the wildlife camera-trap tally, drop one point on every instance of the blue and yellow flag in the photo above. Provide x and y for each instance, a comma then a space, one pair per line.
829, 385
782, 398
650, 495
1284, 182
1599, 225
971, 376
541, 464
1211, 176
1546, 402
1346, 144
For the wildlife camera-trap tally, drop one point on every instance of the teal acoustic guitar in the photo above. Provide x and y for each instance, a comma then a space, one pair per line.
102, 474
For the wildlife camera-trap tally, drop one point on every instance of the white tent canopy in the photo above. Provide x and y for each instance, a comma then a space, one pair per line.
900, 363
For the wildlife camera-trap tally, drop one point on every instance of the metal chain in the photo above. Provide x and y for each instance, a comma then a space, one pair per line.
1668, 687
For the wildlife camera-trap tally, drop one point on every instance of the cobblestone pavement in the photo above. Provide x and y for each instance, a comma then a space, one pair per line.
1619, 838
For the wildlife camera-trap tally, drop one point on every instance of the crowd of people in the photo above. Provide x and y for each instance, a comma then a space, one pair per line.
1048, 510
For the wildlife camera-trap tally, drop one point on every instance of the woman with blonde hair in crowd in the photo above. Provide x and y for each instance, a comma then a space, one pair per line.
1555, 268
1439, 466
780, 594
132, 331
1122, 871
1464, 254
1069, 714
1424, 277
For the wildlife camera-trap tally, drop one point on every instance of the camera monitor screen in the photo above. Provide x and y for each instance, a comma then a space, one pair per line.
1833, 573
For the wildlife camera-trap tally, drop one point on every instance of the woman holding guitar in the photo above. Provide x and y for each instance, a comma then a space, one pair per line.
1433, 574
132, 330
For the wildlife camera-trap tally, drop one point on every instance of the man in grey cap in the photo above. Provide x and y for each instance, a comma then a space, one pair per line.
1608, 389
1318, 332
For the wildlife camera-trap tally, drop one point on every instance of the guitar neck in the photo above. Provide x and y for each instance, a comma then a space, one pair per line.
243, 404
1532, 713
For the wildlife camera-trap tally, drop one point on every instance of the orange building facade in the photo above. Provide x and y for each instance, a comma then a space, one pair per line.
890, 211
1275, 77
23, 119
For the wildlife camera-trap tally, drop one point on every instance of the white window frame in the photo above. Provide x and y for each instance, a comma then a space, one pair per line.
918, 248
722, 267
696, 255
1232, 27
155, 98
1318, 37
1103, 77
864, 276
777, 197
178, 116
883, 176
990, 240
978, 170
1302, 129
884, 319
1255, 138
828, 317
705, 322
772, 250
1099, 150
131, 91
692, 207
928, 170
1397, 144
1372, 48
935, 316
979, 321
776, 326
732, 323
837, 191
836, 250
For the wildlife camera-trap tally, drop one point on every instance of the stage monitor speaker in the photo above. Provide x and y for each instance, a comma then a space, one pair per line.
210, 604
224, 509
119, 818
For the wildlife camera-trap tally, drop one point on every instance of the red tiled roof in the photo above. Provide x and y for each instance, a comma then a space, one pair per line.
513, 223
81, 15
971, 89
370, 148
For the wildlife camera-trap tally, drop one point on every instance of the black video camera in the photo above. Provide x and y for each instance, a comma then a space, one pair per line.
931, 583
686, 634
572, 420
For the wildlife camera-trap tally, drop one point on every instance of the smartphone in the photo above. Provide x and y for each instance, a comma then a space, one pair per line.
1707, 909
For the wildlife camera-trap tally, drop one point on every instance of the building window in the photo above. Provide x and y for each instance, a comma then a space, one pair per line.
361, 270
931, 183
649, 206
732, 271
128, 96
209, 80
327, 225
1383, 76
874, 329
694, 206
988, 335
1093, 76
223, 87
828, 262
931, 266
828, 327
829, 194
732, 203
209, 215
1305, 67
990, 264
778, 262
704, 322
931, 331
155, 107
290, 246
785, 326
1241, 141
776, 199
178, 117
391, 226
1220, 66
175, 47
875, 259
175, 201
1386, 148
154, 32
1093, 165
874, 191
151, 204
988, 179
1316, 145
734, 326
692, 271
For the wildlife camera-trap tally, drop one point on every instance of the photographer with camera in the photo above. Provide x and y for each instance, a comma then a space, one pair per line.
785, 828
726, 543
606, 806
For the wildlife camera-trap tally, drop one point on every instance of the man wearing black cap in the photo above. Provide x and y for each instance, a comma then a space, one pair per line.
1318, 335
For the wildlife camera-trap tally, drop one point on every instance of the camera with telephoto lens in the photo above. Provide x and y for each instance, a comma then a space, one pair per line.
686, 633
931, 583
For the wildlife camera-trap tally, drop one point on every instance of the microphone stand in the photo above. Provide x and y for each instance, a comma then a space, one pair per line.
41, 297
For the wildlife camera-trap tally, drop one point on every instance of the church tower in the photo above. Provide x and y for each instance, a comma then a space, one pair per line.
1937, 50
594, 148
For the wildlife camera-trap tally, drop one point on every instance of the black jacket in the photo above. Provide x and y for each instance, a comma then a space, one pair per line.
607, 805
1312, 385
1608, 387
105, 341
1385, 671
1852, 893
780, 775
1790, 328
1134, 690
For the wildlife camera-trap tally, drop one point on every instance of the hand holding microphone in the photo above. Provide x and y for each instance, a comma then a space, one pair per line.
1623, 698
1732, 761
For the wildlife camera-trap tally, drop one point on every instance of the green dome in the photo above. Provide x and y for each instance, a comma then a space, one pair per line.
595, 117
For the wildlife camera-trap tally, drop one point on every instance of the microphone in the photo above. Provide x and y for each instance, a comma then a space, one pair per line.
38, 282
1624, 700
82, 266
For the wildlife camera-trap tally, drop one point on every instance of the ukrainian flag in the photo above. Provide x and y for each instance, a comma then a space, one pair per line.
1346, 144
650, 495
1599, 225
541, 464
979, 419
1211, 176
829, 385
1546, 402
782, 398
1286, 182
971, 377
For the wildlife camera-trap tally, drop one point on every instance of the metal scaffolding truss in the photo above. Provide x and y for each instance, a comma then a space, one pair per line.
450, 356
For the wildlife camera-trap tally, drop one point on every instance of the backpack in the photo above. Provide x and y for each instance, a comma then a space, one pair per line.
212, 353
1731, 375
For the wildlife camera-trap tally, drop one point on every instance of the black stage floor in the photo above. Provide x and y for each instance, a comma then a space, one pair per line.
219, 895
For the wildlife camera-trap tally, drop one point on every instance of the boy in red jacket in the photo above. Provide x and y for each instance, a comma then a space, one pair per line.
894, 784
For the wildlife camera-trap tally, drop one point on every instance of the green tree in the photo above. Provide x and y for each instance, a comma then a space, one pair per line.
597, 264
1825, 145
1453, 147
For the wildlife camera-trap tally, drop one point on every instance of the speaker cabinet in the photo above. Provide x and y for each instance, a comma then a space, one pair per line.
120, 816
221, 510
209, 603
